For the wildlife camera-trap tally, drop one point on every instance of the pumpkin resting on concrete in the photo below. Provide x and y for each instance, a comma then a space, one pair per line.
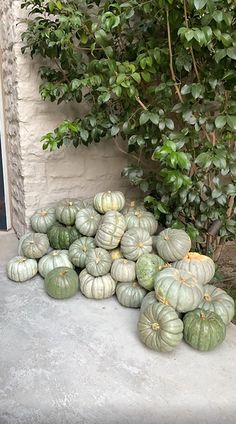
97, 287
21, 269
35, 245
130, 294
218, 301
61, 283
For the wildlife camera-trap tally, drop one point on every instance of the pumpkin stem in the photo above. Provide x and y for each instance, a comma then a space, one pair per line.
43, 213
70, 203
55, 253
207, 297
62, 273
140, 244
109, 192
202, 316
155, 326
135, 284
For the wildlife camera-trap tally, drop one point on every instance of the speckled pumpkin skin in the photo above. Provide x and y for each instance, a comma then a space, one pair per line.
173, 245
21, 269
147, 267
218, 301
201, 266
61, 283
130, 294
61, 237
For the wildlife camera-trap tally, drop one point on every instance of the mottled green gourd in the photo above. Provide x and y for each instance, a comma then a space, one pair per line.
172, 245
87, 221
147, 267
123, 270
203, 330
130, 294
67, 209
79, 249
61, 237
160, 328
98, 262
139, 218
54, 259
21, 269
35, 245
136, 242
109, 201
201, 266
43, 219
111, 229
97, 287
218, 301
61, 283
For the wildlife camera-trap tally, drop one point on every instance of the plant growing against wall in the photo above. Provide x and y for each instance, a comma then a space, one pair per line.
161, 75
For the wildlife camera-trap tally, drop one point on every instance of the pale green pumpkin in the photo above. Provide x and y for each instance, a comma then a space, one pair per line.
173, 245
149, 299
130, 294
35, 245
100, 287
141, 219
79, 249
116, 254
111, 229
123, 270
201, 266
109, 201
87, 221
132, 205
67, 209
61, 283
21, 269
19, 250
43, 219
54, 259
147, 267
136, 242
98, 262
218, 301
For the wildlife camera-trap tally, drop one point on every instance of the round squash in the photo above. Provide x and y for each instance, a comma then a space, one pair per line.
130, 294
61, 237
54, 259
141, 219
66, 211
35, 245
79, 249
172, 244
87, 221
123, 270
203, 330
98, 262
43, 219
21, 269
147, 267
179, 289
61, 283
19, 250
136, 242
132, 205
218, 301
160, 328
110, 230
109, 201
116, 254
148, 300
201, 266
97, 287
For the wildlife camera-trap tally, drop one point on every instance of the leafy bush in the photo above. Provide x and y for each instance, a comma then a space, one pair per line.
161, 75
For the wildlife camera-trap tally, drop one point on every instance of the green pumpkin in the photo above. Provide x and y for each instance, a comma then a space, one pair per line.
79, 249
98, 288
179, 289
24, 237
203, 330
61, 283
110, 230
148, 300
21, 269
136, 242
66, 211
61, 237
160, 328
173, 245
123, 270
35, 245
54, 259
201, 266
133, 205
141, 219
43, 219
98, 262
116, 254
87, 221
218, 301
147, 267
109, 201
130, 294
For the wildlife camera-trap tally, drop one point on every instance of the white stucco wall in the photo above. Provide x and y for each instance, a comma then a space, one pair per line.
38, 178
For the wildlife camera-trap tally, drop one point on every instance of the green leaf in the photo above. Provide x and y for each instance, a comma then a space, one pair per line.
196, 90
220, 54
162, 208
154, 118
220, 121
231, 121
114, 130
144, 186
144, 117
136, 77
231, 52
199, 4
204, 159
185, 89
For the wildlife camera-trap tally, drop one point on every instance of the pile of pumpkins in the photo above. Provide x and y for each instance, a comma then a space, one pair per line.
114, 245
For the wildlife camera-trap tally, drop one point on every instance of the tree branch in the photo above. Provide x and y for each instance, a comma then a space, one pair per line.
191, 49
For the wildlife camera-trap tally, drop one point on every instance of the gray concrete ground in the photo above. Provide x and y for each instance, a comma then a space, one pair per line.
80, 361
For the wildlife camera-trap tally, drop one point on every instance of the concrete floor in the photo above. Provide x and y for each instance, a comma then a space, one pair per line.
80, 361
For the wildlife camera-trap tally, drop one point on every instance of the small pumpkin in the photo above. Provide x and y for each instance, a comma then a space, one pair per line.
141, 219
21, 269
147, 267
19, 250
79, 249
130, 294
123, 270
218, 301
173, 245
54, 259
111, 229
61, 237
97, 287
179, 289
98, 262
43, 219
136, 242
116, 254
66, 211
203, 330
87, 221
109, 201
201, 266
131, 205
35, 245
160, 328
61, 283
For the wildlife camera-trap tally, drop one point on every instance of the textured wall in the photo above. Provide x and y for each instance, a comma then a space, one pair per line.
38, 178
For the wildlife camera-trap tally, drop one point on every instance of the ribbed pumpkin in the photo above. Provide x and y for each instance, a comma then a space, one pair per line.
179, 289
110, 230
148, 300
79, 249
218, 301
98, 262
116, 254
130, 294
123, 270
43, 219
19, 249
109, 201
131, 205
21, 269
35, 246
201, 266
135, 243
96, 287
61, 237
87, 221
54, 259
147, 267
66, 211
172, 244
203, 330
61, 283
160, 328
141, 219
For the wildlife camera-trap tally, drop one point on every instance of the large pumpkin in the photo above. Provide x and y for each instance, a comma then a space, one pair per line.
201, 266
54, 259
21, 269
141, 219
123, 270
35, 245
203, 330
96, 287
61, 237
160, 328
147, 266
87, 221
43, 219
148, 300
136, 242
98, 262
172, 244
179, 289
109, 201
79, 249
110, 230
218, 301
67, 209
130, 294
61, 283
